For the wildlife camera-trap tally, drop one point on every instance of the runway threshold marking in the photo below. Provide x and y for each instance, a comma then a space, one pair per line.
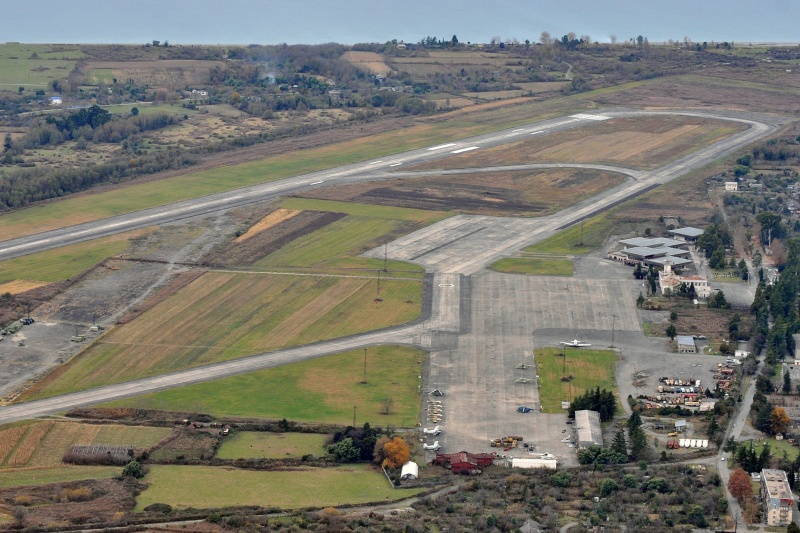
317, 182
448, 145
586, 116
461, 150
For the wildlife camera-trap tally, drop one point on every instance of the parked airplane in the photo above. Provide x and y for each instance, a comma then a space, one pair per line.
576, 344
434, 431
435, 446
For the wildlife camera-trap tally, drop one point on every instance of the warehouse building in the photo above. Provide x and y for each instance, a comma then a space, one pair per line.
590, 432
686, 344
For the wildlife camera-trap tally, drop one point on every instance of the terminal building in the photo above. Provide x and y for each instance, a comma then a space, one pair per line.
777, 497
652, 251
588, 428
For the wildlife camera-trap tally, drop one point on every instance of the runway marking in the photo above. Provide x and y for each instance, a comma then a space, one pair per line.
465, 149
586, 116
395, 164
317, 182
537, 132
448, 145
376, 162
515, 131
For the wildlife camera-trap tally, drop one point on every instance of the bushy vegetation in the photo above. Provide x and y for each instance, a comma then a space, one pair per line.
602, 401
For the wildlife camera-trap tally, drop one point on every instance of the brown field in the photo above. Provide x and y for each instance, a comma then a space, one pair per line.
542, 86
58, 441
704, 91
222, 316
643, 143
273, 219
165, 72
526, 193
19, 286
496, 95
9, 439
368, 61
32, 441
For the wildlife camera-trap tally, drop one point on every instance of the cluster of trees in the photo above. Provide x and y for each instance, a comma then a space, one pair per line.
751, 461
713, 242
366, 443
766, 417
636, 438
602, 401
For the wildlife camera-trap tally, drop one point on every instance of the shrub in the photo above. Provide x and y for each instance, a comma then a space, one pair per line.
80, 494
164, 508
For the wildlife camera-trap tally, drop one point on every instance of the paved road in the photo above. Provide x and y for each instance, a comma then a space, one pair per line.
446, 317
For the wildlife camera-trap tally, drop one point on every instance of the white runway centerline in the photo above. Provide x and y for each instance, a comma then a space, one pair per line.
448, 145
460, 150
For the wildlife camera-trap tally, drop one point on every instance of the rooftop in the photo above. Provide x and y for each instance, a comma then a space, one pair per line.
674, 261
685, 339
587, 425
776, 483
651, 242
688, 231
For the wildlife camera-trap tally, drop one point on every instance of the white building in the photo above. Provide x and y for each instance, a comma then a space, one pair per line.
535, 462
669, 281
731, 186
409, 471
56, 100
590, 432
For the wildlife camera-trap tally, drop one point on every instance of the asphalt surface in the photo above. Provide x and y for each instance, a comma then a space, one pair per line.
453, 314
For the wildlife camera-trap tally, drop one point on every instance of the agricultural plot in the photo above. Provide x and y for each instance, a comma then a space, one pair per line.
203, 487
253, 444
371, 62
18, 477
160, 73
324, 389
534, 266
35, 66
584, 368
224, 315
521, 193
641, 142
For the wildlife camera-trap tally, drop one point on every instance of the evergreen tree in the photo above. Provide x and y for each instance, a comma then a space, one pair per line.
634, 421
787, 383
638, 443
713, 427
620, 445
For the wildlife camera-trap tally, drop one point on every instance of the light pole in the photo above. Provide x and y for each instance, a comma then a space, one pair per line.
613, 329
364, 381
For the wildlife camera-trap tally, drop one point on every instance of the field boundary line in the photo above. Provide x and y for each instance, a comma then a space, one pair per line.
308, 274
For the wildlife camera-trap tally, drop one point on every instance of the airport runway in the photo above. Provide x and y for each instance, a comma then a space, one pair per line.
464, 245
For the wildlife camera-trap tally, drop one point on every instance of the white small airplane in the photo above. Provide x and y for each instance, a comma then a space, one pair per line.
434, 431
435, 446
576, 344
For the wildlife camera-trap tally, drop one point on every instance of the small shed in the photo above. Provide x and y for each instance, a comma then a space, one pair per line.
680, 426
409, 471
686, 344
533, 462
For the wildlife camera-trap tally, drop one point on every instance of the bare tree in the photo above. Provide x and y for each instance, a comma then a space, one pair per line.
613, 39
495, 40
386, 405
571, 36
586, 39
545, 38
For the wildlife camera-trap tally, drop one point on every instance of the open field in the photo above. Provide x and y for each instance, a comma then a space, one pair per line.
642, 142
448, 126
34, 66
522, 193
19, 477
252, 444
269, 221
164, 72
536, 267
594, 231
63, 263
778, 447
43, 444
589, 368
202, 487
371, 62
222, 316
320, 390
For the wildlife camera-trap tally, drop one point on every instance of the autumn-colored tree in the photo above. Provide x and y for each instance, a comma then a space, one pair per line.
396, 453
779, 420
740, 485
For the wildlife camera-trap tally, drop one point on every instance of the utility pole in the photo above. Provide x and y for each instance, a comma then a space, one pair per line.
385, 255
365, 366
354, 416
581, 232
378, 293
613, 328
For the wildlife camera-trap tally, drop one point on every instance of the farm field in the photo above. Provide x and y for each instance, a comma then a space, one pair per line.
225, 315
35, 66
534, 266
19, 477
521, 193
642, 142
324, 389
259, 444
194, 184
589, 368
63, 263
203, 487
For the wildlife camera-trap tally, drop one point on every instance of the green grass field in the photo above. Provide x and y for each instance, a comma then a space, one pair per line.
595, 231
534, 267
777, 447
35, 66
324, 389
589, 368
204, 487
18, 477
63, 263
257, 444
